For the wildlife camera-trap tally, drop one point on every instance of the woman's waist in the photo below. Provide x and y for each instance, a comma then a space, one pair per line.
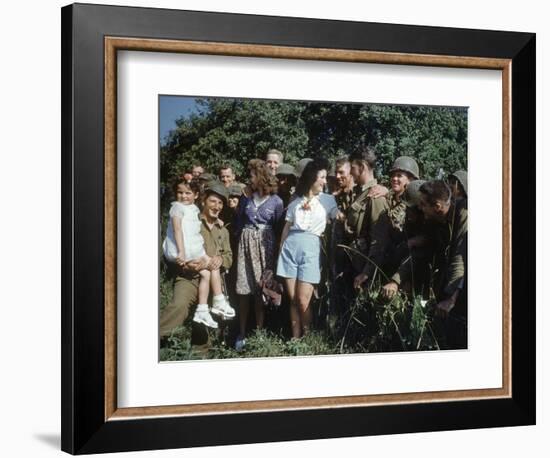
258, 226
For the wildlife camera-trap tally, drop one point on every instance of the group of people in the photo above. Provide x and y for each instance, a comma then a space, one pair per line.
246, 239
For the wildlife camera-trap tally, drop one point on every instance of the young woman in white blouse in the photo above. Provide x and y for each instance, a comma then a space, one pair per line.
300, 251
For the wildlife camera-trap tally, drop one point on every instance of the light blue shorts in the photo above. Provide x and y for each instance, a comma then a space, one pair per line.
300, 257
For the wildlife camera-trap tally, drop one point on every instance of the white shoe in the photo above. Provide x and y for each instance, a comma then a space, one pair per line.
202, 316
223, 309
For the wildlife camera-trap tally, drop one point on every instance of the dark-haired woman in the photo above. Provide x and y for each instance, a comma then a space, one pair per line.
299, 259
257, 215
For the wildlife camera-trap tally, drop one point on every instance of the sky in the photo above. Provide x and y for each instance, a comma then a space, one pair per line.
172, 107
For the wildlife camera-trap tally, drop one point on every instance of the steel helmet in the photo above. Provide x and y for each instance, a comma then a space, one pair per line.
407, 164
462, 178
411, 196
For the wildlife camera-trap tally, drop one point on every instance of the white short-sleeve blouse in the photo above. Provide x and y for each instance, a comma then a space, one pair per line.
311, 215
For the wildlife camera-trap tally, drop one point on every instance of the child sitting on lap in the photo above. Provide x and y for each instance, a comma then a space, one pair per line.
184, 243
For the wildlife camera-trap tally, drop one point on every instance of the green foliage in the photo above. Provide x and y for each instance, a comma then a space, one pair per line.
232, 131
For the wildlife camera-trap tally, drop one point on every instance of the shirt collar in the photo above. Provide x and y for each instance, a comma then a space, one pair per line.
218, 222
369, 184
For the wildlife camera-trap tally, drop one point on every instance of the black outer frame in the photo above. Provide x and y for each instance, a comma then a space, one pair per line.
84, 429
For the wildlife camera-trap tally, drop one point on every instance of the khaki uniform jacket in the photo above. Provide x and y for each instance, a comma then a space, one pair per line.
367, 228
451, 249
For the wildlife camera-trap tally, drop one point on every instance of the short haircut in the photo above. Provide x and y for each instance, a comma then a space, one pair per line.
225, 167
277, 152
266, 180
341, 161
193, 185
365, 155
309, 175
197, 165
436, 190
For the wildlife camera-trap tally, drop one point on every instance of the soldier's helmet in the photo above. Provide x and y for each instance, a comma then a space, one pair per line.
301, 165
412, 194
462, 177
406, 164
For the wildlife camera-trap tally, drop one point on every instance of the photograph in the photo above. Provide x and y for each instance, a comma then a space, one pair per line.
304, 228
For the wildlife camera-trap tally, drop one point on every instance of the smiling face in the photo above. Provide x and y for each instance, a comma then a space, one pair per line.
399, 181
343, 175
212, 206
227, 177
319, 184
197, 171
273, 161
185, 195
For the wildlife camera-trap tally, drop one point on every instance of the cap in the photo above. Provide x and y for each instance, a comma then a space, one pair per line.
234, 190
285, 169
301, 165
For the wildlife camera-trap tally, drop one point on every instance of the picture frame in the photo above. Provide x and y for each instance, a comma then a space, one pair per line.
91, 37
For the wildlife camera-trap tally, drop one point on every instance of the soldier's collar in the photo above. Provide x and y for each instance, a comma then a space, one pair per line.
218, 222
369, 184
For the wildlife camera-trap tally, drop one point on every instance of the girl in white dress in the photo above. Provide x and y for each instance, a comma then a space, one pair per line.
184, 243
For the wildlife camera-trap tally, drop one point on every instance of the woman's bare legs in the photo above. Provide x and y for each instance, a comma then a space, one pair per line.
304, 291
295, 322
299, 294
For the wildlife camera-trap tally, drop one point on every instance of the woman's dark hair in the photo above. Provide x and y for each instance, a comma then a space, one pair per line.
193, 185
266, 180
309, 175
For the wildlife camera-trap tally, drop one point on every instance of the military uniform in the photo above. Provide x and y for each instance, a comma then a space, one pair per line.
366, 229
186, 283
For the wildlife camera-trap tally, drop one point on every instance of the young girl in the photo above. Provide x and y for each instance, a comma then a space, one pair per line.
184, 243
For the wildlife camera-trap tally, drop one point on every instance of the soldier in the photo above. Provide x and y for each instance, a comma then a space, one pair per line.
287, 182
197, 170
186, 277
204, 180
273, 158
344, 179
235, 191
403, 171
458, 181
410, 275
367, 224
449, 220
226, 175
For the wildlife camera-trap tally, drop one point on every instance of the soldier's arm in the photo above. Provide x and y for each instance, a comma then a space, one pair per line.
379, 230
458, 252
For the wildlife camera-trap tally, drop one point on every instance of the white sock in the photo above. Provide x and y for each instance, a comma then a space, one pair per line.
202, 307
219, 298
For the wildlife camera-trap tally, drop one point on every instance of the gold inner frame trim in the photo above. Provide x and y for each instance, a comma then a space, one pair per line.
114, 44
